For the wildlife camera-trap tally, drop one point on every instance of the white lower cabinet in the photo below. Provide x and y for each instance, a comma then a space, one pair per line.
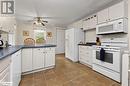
50, 57
85, 55
38, 58
27, 60
16, 68
34, 59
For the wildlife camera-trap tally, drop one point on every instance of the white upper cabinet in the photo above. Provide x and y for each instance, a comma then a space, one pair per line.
117, 11
8, 24
103, 16
80, 24
90, 22
93, 22
114, 12
85, 25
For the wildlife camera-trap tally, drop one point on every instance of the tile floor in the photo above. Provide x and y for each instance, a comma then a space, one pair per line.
67, 73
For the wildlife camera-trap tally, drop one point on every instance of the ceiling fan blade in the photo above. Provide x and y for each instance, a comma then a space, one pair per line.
45, 21
43, 24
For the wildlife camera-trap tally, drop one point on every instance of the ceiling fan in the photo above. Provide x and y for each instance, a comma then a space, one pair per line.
39, 20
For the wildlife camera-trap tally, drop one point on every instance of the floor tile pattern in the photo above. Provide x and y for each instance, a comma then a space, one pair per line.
67, 73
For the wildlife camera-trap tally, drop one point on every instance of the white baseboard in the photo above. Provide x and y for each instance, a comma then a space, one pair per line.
38, 70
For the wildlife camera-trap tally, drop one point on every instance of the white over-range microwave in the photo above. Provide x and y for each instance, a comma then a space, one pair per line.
117, 26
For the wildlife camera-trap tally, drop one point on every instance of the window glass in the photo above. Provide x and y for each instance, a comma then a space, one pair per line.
40, 36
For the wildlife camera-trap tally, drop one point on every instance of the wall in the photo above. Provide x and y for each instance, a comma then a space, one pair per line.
25, 26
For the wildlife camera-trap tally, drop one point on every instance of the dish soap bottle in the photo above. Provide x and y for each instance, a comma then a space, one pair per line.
98, 42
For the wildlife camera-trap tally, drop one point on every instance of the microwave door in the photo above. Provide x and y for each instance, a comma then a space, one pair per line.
105, 29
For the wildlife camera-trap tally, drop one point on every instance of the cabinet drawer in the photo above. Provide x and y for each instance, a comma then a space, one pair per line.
37, 49
50, 49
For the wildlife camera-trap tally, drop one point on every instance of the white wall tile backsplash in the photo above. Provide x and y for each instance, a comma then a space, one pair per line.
90, 36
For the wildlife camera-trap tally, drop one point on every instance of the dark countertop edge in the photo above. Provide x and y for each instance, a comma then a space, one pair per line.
19, 47
9, 54
86, 44
44, 46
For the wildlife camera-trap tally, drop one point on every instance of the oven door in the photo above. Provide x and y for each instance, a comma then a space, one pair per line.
112, 60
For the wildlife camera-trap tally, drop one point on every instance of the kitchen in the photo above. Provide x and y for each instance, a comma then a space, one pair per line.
39, 51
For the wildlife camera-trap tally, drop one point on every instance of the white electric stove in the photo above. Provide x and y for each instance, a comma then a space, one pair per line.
111, 66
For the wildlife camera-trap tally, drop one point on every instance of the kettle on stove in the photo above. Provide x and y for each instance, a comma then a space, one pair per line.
1, 42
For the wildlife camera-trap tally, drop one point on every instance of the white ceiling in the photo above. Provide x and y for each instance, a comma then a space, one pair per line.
63, 11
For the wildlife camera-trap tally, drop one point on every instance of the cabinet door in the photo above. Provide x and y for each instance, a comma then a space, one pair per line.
16, 68
94, 22
86, 25
50, 57
26, 60
103, 16
90, 55
19, 66
82, 57
38, 58
116, 11
79, 24
80, 53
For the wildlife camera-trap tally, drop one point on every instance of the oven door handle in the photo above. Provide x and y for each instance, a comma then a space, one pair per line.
109, 51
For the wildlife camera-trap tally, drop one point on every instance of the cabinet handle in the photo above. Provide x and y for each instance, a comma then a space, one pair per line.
95, 15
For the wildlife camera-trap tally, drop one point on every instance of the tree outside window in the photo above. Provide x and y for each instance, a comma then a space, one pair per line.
40, 36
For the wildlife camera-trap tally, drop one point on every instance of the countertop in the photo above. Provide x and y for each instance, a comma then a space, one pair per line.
87, 44
5, 52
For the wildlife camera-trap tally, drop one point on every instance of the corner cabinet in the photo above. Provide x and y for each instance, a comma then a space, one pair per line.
36, 59
117, 11
16, 68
